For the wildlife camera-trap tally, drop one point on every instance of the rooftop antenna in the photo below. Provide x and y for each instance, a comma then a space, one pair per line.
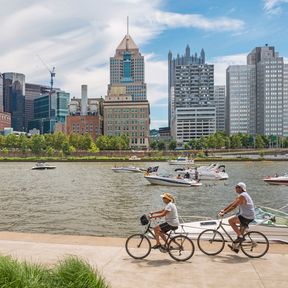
127, 35
127, 25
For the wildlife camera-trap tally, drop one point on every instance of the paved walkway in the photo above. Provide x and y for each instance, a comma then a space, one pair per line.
158, 269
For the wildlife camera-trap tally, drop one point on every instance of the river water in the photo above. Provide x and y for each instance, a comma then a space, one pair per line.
90, 199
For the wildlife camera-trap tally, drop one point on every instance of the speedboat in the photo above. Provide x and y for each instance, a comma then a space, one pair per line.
215, 171
132, 169
169, 181
42, 166
134, 158
182, 161
272, 222
277, 180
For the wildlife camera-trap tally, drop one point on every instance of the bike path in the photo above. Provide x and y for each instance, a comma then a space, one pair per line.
108, 255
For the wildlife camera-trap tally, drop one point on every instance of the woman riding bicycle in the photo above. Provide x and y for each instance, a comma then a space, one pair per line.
246, 211
171, 219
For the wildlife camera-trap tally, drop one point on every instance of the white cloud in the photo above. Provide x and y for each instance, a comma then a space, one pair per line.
273, 6
221, 63
78, 37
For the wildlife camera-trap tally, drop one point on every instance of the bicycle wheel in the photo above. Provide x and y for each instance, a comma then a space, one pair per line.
138, 246
181, 248
255, 244
210, 242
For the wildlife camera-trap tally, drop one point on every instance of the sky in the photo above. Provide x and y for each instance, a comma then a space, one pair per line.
79, 37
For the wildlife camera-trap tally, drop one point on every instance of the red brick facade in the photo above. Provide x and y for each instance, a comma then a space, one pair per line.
5, 120
88, 124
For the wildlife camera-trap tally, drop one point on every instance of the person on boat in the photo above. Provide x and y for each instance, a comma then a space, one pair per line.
187, 175
245, 215
179, 176
171, 219
196, 175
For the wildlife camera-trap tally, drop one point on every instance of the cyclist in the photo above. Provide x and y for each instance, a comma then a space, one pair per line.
244, 217
171, 219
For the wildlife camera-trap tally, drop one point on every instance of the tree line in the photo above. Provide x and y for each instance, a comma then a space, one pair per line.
220, 140
59, 142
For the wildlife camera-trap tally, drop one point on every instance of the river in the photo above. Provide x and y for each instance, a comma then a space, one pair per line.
90, 199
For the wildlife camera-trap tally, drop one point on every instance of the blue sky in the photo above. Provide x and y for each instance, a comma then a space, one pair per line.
78, 37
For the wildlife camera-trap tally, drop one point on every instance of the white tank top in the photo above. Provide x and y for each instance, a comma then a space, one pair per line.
247, 210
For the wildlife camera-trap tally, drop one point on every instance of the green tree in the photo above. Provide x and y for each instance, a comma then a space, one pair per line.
50, 151
259, 143
37, 143
172, 145
161, 145
154, 145
12, 141
58, 141
93, 148
236, 141
2, 141
24, 143
102, 142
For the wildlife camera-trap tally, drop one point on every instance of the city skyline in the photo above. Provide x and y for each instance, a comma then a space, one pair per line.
79, 39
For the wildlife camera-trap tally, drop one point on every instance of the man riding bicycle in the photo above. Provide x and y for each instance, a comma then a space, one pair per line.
171, 217
244, 217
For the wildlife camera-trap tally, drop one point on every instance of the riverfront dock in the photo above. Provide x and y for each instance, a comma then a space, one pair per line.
108, 255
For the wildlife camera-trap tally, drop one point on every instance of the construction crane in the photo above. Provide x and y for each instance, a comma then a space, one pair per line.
52, 74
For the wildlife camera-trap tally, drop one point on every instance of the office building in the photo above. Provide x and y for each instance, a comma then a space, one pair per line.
258, 91
126, 109
32, 91
1, 93
219, 99
49, 110
192, 112
13, 98
241, 99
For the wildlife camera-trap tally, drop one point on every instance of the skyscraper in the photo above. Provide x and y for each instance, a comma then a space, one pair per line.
14, 91
127, 69
126, 109
219, 97
1, 93
241, 99
263, 83
192, 112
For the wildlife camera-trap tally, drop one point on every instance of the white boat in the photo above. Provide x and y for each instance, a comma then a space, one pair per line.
134, 158
182, 161
169, 181
215, 171
277, 180
132, 169
42, 166
273, 223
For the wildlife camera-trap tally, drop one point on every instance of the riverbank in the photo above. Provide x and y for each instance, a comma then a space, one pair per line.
108, 255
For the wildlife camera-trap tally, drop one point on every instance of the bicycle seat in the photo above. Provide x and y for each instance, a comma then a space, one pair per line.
174, 228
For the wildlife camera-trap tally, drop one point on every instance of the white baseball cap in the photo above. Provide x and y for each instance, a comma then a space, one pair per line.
242, 185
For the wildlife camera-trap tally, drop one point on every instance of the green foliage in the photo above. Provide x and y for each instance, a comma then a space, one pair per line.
259, 143
50, 151
38, 143
5, 151
161, 145
153, 144
71, 272
172, 145
113, 142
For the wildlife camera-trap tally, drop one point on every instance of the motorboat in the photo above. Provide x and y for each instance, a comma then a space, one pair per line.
272, 222
42, 166
182, 160
134, 158
214, 171
277, 180
131, 169
170, 181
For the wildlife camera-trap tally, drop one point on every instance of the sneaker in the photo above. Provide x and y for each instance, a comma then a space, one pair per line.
163, 249
236, 250
157, 246
239, 240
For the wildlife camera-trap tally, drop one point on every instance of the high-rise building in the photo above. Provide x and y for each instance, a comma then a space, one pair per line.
32, 91
127, 69
1, 93
192, 112
265, 80
219, 98
126, 109
13, 94
241, 99
49, 110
